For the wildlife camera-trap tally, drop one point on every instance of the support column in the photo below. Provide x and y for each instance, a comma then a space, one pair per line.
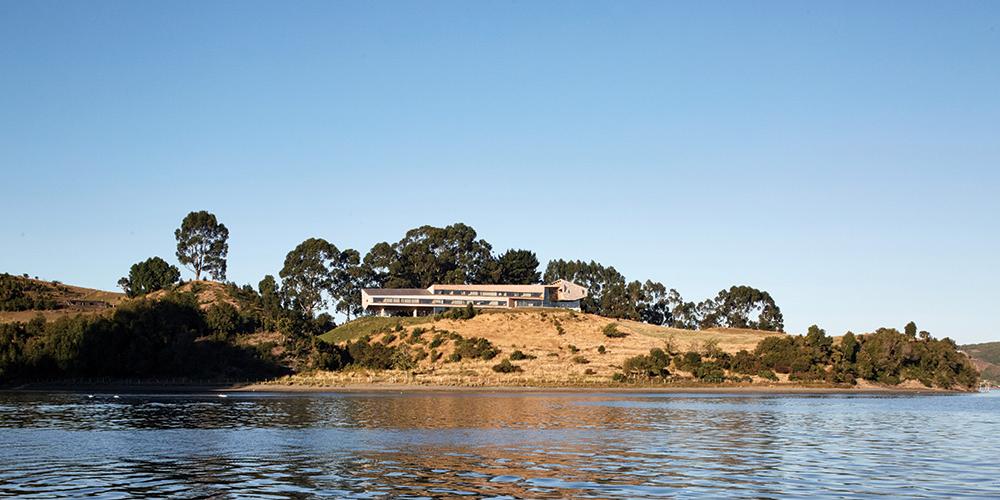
414, 312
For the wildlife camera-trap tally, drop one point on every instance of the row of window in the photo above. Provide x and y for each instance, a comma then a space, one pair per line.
454, 302
486, 293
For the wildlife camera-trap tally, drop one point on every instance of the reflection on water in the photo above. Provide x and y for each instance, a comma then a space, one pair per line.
499, 445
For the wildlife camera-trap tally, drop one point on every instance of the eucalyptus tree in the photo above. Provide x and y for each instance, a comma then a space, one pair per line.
202, 245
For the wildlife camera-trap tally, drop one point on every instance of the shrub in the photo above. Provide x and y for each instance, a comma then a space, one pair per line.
506, 366
580, 360
518, 355
573, 349
467, 312
710, 372
454, 357
379, 356
619, 377
689, 361
390, 338
647, 366
611, 331
767, 374
416, 335
601, 349
559, 328
744, 362
589, 371
476, 347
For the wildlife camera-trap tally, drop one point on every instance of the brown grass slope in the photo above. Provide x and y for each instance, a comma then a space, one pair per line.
559, 358
70, 300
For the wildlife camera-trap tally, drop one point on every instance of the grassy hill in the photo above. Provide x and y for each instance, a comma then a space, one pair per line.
986, 357
23, 298
562, 347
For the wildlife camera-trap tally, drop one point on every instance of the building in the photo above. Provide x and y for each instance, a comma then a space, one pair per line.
438, 298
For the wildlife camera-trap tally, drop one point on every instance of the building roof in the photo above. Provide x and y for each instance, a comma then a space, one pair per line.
396, 291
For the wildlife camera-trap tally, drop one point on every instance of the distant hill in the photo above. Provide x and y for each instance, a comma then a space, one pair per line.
23, 298
986, 357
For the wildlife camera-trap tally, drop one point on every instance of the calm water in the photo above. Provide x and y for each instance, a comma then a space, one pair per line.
504, 445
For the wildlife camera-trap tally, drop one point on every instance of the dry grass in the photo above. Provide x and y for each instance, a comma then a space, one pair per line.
535, 333
68, 296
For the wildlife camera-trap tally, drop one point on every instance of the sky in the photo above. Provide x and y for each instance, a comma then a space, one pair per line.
844, 156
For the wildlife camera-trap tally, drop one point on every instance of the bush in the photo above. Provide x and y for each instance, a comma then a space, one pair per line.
559, 328
710, 372
589, 371
573, 349
506, 366
611, 331
390, 338
518, 356
223, 319
580, 360
467, 312
454, 357
379, 356
688, 362
601, 349
476, 347
653, 365
767, 374
744, 362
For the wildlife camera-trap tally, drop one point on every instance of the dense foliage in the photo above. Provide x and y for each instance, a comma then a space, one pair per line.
148, 276
202, 244
22, 294
141, 339
885, 356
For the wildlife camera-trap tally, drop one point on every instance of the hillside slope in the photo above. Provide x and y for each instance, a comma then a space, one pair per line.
22, 299
565, 345
986, 357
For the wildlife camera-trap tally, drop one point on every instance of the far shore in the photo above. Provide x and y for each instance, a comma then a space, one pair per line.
212, 387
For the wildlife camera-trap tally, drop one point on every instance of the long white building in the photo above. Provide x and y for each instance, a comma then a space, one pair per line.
438, 298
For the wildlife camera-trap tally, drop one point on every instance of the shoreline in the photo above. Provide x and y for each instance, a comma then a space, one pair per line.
258, 387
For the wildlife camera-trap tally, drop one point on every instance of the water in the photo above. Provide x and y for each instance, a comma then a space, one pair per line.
499, 445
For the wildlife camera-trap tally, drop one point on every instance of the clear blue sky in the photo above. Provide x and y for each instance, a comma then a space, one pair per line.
844, 156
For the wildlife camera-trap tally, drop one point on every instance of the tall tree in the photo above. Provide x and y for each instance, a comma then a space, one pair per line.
202, 245
315, 271
148, 276
518, 267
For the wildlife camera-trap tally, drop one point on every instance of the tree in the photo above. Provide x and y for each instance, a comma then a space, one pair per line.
315, 270
654, 307
910, 330
742, 307
148, 276
518, 267
202, 245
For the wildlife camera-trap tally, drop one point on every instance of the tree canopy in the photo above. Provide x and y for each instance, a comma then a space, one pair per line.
148, 276
202, 245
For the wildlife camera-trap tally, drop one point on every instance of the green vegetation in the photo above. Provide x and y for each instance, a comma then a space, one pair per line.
506, 366
22, 294
141, 339
611, 331
475, 348
580, 360
149, 276
202, 245
885, 356
369, 325
518, 356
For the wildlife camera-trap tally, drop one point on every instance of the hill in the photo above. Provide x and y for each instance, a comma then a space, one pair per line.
559, 346
23, 298
986, 357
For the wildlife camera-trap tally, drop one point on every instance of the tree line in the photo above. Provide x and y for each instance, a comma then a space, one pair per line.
317, 275
886, 356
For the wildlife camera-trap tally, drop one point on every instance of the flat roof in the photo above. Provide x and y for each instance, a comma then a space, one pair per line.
396, 291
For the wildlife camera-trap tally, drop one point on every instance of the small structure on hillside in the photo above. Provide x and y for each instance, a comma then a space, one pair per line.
438, 298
